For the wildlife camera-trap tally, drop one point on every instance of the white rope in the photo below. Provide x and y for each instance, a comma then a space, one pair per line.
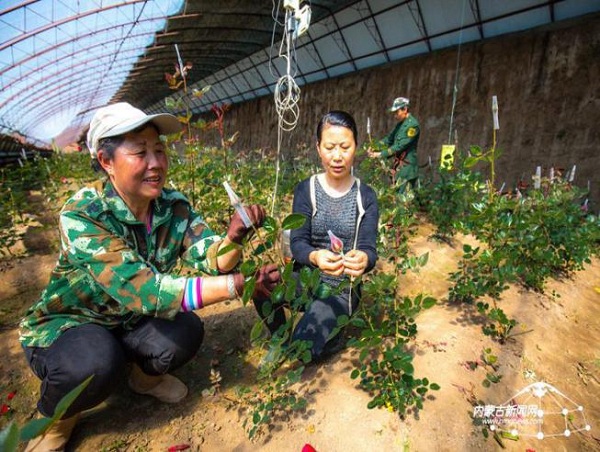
287, 92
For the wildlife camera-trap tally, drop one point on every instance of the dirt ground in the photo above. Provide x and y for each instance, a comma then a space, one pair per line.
556, 343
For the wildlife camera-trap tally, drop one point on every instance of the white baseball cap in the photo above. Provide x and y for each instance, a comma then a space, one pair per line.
120, 118
399, 102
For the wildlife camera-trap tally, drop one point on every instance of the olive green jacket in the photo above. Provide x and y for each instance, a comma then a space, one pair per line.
402, 143
110, 271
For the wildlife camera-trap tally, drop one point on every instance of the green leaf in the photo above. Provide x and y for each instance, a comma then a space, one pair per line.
475, 150
342, 320
287, 271
315, 277
408, 368
249, 287
256, 418
256, 332
355, 373
37, 426
470, 162
323, 291
252, 432
334, 333
491, 359
363, 354
290, 291
429, 302
305, 276
358, 322
267, 308
293, 221
68, 399
226, 249
493, 378
262, 247
278, 294
434, 386
375, 341
9, 437
248, 268
306, 356
270, 224
509, 435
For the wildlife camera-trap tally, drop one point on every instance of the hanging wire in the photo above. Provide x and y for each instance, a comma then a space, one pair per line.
456, 75
286, 92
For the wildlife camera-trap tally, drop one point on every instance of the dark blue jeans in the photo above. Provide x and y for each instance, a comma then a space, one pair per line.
157, 345
317, 322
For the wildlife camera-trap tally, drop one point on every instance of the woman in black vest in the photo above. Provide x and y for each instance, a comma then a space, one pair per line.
339, 236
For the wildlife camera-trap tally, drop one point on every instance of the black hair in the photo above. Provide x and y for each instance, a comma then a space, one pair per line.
110, 144
337, 118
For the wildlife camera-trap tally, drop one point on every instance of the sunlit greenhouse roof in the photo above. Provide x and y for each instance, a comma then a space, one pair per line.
61, 60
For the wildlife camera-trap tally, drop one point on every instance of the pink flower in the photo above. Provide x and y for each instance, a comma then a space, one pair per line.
308, 448
4, 409
11, 395
337, 246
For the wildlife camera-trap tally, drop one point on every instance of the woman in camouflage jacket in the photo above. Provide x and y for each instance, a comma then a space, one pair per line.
112, 299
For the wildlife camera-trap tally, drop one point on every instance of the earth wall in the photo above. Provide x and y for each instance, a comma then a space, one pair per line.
546, 82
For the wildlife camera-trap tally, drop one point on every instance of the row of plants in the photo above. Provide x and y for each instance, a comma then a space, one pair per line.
54, 176
525, 236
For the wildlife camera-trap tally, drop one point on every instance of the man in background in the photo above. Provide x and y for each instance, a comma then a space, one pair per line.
401, 146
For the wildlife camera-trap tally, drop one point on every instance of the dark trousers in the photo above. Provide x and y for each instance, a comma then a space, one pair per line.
156, 345
317, 322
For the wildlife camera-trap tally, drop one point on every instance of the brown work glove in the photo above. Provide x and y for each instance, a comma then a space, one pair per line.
267, 277
237, 229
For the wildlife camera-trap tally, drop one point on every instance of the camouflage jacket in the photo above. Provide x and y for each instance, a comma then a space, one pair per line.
110, 271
